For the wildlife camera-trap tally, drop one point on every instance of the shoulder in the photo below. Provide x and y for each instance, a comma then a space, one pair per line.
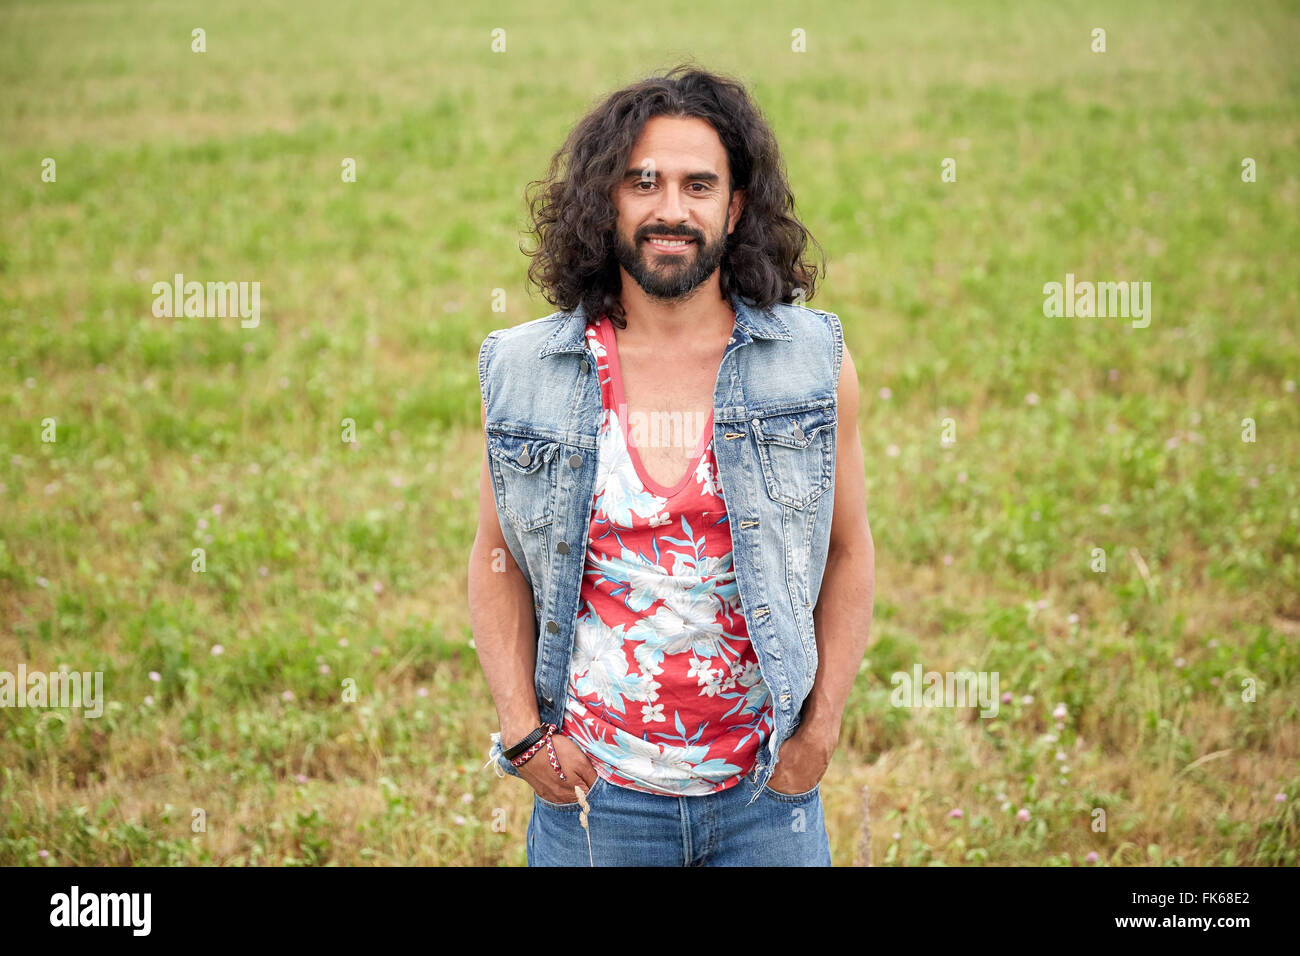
505, 353
525, 335
809, 326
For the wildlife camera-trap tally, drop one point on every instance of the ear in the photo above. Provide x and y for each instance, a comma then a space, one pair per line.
736, 208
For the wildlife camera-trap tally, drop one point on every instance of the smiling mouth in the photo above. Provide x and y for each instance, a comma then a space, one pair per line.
670, 245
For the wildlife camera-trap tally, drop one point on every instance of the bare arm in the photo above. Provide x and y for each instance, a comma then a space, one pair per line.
505, 635
842, 617
501, 617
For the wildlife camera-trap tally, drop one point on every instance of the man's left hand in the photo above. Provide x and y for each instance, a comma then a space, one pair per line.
803, 758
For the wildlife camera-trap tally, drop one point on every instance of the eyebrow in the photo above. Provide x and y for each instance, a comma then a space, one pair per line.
707, 177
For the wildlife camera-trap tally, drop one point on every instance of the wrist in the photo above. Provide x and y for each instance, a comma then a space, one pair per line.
515, 730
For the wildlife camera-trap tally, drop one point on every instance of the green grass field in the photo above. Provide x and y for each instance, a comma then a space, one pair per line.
328, 561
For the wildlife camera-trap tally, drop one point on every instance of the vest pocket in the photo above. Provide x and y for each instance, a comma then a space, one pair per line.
523, 467
796, 451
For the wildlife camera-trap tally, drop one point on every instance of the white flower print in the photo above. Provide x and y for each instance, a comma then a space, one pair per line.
622, 495
701, 670
599, 665
654, 712
704, 476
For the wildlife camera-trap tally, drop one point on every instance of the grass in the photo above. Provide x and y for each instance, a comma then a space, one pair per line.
329, 562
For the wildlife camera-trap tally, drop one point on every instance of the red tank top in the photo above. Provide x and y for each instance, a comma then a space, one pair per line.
665, 693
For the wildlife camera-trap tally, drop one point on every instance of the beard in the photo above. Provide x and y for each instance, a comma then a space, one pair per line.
670, 277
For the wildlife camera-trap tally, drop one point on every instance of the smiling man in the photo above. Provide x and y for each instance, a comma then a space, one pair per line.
671, 586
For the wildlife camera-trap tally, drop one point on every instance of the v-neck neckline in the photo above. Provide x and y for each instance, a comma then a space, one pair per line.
608, 339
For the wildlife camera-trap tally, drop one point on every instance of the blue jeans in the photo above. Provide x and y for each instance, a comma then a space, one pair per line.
632, 828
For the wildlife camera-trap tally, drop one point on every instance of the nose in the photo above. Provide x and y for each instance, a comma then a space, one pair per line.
670, 211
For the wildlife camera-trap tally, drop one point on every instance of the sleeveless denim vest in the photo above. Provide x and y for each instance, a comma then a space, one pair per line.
774, 437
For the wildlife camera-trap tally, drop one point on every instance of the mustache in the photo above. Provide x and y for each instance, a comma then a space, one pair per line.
669, 234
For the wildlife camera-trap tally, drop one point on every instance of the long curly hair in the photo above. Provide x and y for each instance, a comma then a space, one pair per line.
573, 213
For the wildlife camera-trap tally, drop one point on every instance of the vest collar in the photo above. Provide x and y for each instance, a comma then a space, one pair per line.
752, 323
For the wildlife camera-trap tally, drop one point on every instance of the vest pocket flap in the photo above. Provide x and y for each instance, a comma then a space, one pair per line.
794, 429
522, 454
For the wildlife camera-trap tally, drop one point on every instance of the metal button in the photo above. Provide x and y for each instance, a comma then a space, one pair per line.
586, 366
575, 461
552, 626
755, 422
562, 547
798, 433
548, 702
523, 458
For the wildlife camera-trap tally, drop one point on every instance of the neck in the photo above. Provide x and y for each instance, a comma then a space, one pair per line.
702, 314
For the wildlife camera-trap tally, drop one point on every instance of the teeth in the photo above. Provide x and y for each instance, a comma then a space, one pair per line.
669, 244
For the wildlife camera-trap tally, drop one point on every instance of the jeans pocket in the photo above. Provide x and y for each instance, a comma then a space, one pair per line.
572, 806
806, 797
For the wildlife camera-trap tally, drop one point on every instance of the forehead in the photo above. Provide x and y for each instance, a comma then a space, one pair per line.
678, 143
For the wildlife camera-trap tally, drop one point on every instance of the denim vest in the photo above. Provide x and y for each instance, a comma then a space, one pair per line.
774, 428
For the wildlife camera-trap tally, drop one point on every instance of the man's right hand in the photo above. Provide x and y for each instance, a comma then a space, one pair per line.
541, 776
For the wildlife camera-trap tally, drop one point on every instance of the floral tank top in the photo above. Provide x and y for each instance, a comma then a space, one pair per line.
664, 693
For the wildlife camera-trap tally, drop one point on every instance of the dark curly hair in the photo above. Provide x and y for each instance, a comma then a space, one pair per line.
573, 213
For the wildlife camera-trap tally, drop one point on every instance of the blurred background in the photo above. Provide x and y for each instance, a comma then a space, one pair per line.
1161, 690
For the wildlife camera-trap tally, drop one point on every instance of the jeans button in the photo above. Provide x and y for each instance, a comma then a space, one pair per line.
586, 367
575, 461
562, 547
552, 626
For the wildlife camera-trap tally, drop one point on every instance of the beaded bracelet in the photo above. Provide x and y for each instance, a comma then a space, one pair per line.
524, 757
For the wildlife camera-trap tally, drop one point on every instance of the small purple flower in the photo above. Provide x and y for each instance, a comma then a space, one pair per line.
301, 778
1031, 398
1091, 857
155, 676
1279, 798
1060, 712
287, 695
1006, 697
217, 650
422, 692
458, 820
885, 393
1023, 814
43, 854
148, 700
955, 813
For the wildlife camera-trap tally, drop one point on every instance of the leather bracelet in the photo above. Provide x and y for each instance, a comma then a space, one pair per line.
524, 744
550, 751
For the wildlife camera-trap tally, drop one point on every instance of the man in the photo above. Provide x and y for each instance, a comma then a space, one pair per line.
671, 586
